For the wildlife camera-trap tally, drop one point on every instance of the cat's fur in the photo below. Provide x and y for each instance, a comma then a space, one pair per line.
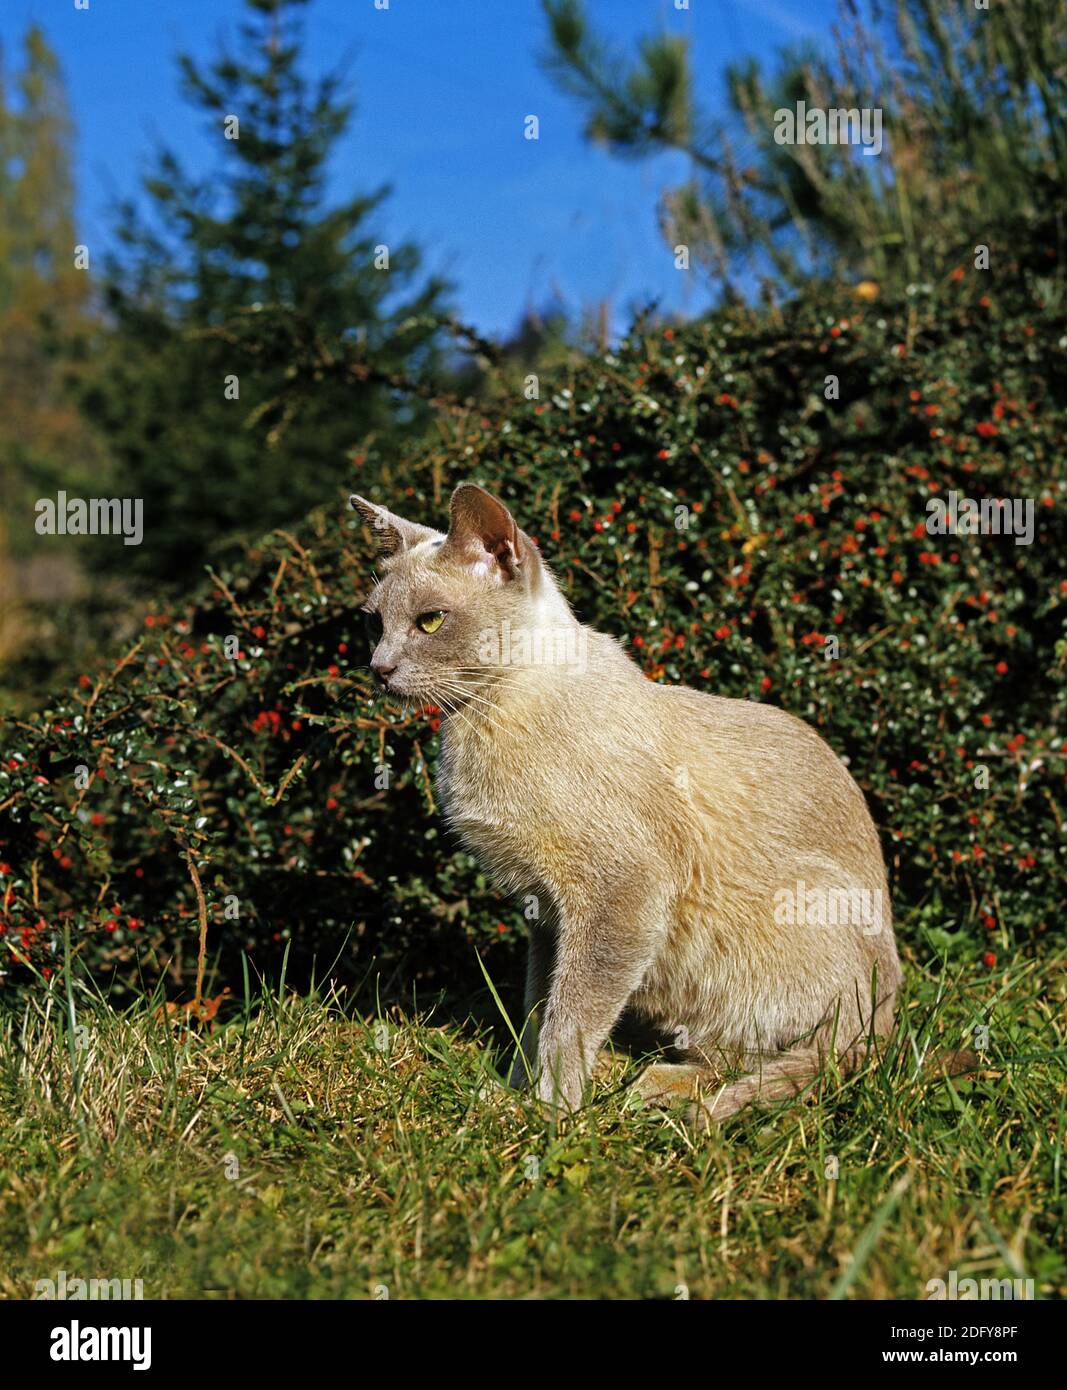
656, 825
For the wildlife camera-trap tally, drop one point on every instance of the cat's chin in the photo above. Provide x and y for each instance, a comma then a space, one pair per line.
407, 700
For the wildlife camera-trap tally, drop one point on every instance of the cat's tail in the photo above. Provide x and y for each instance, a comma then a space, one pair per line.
789, 1074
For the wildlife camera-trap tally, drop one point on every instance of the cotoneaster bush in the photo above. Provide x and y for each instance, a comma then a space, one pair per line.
702, 499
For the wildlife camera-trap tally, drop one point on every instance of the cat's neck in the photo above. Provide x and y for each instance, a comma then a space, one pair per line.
534, 657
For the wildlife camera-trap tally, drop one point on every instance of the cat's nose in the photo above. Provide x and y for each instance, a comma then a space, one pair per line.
382, 672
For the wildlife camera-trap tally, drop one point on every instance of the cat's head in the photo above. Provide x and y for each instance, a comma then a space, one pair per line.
443, 596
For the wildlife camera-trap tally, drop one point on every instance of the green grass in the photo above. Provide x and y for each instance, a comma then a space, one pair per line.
294, 1151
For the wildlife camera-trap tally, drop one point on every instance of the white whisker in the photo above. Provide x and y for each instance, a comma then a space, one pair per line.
457, 691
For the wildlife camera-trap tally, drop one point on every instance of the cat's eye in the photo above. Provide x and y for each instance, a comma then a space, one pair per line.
429, 622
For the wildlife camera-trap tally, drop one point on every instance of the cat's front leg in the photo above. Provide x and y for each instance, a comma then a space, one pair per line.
600, 963
540, 959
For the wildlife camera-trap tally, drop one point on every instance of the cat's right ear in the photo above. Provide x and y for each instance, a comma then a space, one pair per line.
393, 532
483, 535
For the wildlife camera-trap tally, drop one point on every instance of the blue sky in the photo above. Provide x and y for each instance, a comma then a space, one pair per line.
441, 90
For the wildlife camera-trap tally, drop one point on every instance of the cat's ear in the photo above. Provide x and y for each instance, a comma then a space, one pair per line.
393, 532
482, 534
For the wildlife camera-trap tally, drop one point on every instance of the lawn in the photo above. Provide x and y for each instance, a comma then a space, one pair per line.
291, 1148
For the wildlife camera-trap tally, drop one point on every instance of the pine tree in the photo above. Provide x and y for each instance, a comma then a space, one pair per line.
973, 103
258, 336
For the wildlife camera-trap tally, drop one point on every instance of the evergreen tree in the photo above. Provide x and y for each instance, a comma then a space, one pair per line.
972, 103
43, 443
259, 337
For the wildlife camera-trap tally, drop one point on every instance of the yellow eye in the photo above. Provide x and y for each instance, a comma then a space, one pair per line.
429, 622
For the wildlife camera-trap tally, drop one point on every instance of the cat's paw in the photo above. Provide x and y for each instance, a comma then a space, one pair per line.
563, 1097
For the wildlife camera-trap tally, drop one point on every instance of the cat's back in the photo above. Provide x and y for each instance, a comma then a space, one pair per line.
746, 730
762, 775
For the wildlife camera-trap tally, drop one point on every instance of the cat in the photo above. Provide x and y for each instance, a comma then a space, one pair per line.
690, 856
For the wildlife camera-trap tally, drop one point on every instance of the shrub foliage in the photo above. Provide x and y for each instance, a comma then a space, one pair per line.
232, 776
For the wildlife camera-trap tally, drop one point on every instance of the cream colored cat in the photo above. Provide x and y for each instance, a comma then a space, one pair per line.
707, 865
